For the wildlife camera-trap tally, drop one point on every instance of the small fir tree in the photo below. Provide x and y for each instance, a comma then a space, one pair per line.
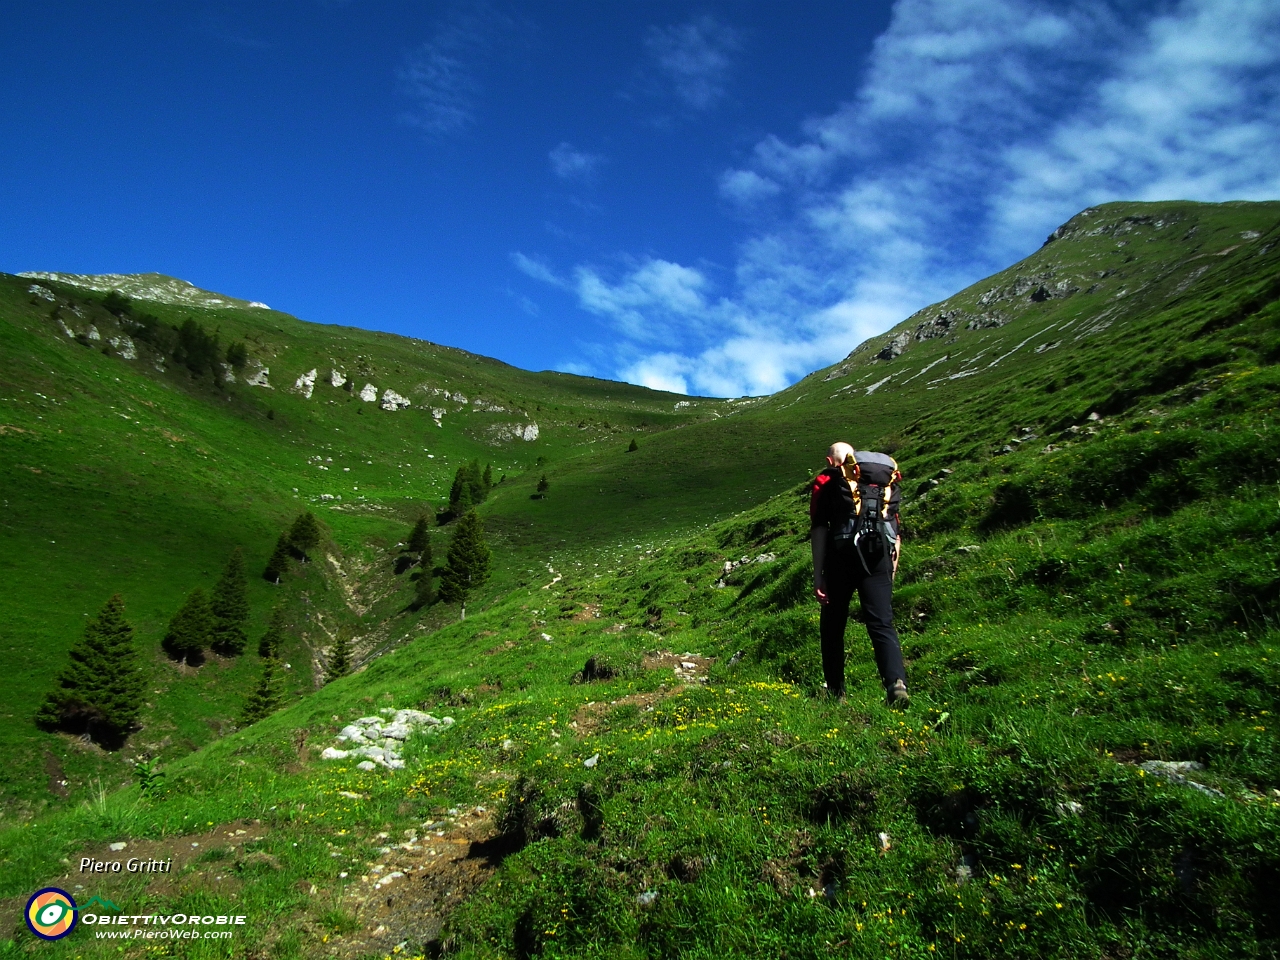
339, 659
467, 564
424, 591
543, 485
419, 539
634, 446
230, 606
487, 479
278, 565
190, 630
265, 700
100, 691
271, 642
304, 535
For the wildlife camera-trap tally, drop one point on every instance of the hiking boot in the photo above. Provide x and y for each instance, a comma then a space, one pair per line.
896, 696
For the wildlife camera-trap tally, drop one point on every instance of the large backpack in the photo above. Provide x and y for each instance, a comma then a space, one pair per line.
871, 531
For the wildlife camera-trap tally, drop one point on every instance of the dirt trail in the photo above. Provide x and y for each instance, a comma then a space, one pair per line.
406, 896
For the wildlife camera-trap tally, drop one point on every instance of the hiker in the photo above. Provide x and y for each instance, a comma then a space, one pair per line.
854, 533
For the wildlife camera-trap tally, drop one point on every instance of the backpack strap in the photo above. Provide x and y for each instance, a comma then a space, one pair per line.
851, 472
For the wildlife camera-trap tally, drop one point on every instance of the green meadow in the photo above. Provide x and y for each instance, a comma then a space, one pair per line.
641, 762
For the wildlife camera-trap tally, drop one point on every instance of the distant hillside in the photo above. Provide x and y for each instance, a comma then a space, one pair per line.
134, 464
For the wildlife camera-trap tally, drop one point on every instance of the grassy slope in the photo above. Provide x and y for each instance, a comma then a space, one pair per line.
119, 477
1082, 635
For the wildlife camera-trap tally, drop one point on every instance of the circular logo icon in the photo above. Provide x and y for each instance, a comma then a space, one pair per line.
51, 913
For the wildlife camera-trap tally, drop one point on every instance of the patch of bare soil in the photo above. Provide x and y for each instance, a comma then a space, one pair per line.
590, 611
687, 669
407, 895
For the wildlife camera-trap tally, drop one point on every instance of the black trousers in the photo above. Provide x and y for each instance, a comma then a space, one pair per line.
875, 590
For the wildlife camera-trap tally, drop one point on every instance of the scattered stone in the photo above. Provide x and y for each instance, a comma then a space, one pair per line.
365, 734
259, 378
336, 379
44, 293
591, 761
118, 846
368, 393
366, 765
350, 796
1069, 808
971, 548
1175, 771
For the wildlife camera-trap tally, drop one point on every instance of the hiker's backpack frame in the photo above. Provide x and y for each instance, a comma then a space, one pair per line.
871, 531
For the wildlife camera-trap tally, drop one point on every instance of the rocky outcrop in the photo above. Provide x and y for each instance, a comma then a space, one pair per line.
306, 383
1036, 288
393, 401
894, 346
124, 347
336, 379
503, 432
368, 393
259, 378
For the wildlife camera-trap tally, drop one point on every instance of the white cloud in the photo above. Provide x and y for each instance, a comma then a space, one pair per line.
695, 58
645, 302
441, 76
536, 269
746, 187
569, 163
980, 125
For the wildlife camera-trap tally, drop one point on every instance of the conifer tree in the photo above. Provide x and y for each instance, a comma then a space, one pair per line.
424, 593
273, 639
419, 539
487, 479
265, 700
634, 446
101, 688
339, 659
278, 565
475, 479
305, 533
190, 630
467, 564
230, 606
543, 485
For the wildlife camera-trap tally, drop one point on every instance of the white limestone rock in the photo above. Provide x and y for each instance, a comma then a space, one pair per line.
393, 401
259, 378
336, 379
124, 347
306, 383
369, 393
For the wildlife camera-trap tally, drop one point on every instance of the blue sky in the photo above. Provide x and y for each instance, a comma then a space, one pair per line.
715, 198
